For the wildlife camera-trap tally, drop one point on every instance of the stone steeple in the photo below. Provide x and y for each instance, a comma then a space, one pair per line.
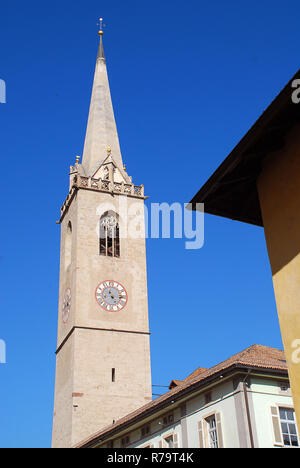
101, 129
103, 367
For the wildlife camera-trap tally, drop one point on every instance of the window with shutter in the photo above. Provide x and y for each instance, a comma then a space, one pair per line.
288, 427
219, 430
125, 441
208, 398
145, 431
168, 419
211, 423
276, 425
200, 433
169, 442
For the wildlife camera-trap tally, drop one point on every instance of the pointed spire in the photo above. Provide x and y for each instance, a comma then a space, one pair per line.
101, 129
101, 55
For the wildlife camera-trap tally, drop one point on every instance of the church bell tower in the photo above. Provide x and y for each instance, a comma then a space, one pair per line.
103, 352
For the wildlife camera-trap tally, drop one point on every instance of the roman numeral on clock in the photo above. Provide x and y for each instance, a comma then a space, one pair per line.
111, 296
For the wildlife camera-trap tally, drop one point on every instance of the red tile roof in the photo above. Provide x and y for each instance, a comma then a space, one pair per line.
256, 356
196, 372
175, 383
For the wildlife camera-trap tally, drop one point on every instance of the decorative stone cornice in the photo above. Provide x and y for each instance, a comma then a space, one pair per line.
100, 185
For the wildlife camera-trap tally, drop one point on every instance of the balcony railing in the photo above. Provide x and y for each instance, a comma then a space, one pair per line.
103, 185
109, 186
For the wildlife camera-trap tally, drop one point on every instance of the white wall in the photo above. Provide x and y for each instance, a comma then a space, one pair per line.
266, 393
223, 403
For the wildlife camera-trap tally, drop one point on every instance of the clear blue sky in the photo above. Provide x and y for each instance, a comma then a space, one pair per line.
188, 79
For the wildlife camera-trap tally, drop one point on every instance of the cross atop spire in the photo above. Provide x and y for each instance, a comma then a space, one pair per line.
101, 130
101, 25
101, 55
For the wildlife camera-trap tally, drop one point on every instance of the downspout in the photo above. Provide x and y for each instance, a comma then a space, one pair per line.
248, 410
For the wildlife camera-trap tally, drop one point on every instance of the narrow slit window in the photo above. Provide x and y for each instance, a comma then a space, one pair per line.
113, 374
68, 246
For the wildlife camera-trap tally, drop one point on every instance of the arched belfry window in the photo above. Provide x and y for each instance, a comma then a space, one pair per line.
110, 234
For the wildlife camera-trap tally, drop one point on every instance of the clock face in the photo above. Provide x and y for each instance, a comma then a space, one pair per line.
66, 306
111, 296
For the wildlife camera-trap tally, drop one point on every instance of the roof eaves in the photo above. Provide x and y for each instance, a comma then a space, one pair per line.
238, 156
177, 394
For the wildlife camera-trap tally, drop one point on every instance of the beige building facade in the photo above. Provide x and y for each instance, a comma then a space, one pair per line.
103, 352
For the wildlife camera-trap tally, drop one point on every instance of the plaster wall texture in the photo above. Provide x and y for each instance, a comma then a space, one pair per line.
279, 193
